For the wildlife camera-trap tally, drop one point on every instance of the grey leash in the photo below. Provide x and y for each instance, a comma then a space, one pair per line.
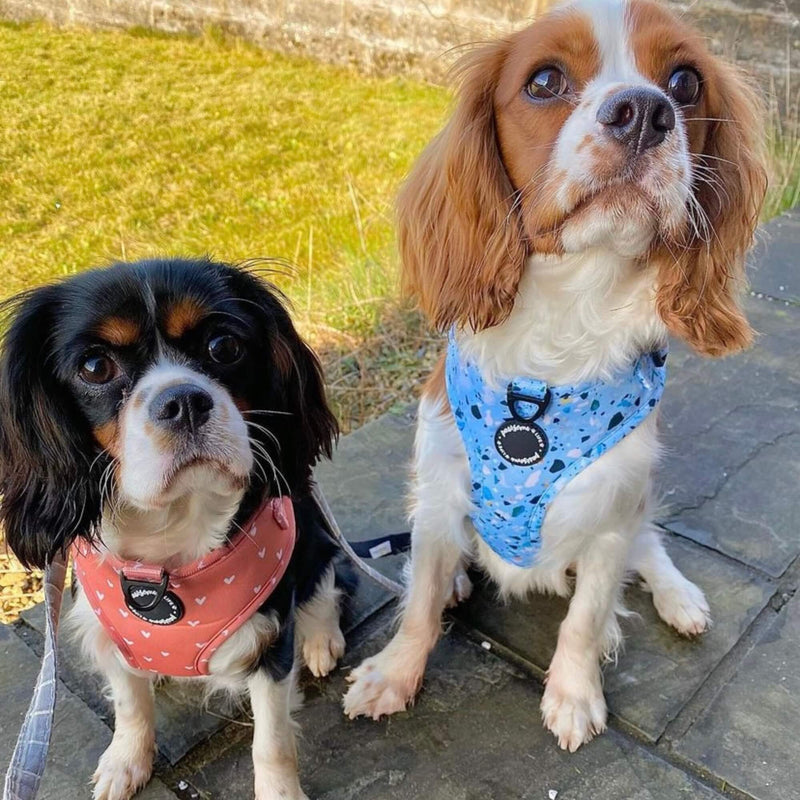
379, 578
30, 753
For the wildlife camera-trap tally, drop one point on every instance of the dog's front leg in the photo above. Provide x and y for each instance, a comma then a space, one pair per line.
387, 682
126, 765
573, 706
274, 746
318, 627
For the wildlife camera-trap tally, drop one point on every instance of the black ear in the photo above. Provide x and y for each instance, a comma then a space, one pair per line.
310, 428
46, 451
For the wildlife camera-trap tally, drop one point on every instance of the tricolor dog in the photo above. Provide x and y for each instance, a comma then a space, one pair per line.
160, 420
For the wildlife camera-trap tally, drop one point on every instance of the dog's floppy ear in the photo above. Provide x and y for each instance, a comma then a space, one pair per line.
310, 428
48, 494
700, 286
461, 241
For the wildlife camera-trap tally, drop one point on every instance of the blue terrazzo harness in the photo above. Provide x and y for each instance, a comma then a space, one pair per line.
525, 440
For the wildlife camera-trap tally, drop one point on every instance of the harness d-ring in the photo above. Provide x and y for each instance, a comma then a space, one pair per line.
515, 396
129, 584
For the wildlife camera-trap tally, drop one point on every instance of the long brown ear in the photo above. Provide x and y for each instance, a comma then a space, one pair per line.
700, 286
460, 237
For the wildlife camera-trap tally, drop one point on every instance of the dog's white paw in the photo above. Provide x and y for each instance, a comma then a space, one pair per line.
683, 606
279, 788
574, 710
462, 589
322, 651
123, 769
378, 688
276, 787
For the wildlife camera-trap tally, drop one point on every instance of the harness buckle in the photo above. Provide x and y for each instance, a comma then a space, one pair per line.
513, 397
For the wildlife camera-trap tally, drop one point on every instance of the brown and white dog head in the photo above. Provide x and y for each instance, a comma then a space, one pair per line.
605, 124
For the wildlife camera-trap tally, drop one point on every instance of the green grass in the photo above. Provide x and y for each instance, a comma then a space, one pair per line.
121, 145
784, 157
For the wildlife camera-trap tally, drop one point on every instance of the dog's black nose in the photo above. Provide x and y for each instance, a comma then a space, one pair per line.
184, 407
639, 118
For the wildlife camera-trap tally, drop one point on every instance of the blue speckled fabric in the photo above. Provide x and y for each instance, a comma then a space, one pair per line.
525, 440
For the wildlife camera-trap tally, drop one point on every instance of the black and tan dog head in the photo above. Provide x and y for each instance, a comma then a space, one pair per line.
142, 383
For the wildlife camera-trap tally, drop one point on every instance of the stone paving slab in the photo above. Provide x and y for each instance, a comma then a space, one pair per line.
79, 737
474, 734
658, 670
773, 262
731, 430
750, 735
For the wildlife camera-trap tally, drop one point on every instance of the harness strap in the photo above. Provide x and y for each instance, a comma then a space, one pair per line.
392, 544
30, 753
143, 572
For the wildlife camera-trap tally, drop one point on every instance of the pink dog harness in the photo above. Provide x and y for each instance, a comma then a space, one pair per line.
172, 623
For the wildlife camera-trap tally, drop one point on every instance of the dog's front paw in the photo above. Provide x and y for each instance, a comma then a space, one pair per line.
683, 605
573, 708
280, 789
381, 686
123, 769
322, 651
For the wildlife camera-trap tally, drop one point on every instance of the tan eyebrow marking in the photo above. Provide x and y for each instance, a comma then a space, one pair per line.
118, 331
107, 436
182, 317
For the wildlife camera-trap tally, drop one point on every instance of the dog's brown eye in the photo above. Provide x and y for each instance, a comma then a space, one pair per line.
547, 83
684, 86
225, 349
98, 369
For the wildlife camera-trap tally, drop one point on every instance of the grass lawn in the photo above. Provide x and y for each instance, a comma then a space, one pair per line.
120, 145
123, 145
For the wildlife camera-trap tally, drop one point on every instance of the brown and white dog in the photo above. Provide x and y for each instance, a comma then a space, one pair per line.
596, 189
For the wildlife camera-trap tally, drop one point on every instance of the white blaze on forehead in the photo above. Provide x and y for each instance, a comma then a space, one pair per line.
610, 20
582, 145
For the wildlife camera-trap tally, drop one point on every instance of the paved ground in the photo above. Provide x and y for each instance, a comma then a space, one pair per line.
716, 718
